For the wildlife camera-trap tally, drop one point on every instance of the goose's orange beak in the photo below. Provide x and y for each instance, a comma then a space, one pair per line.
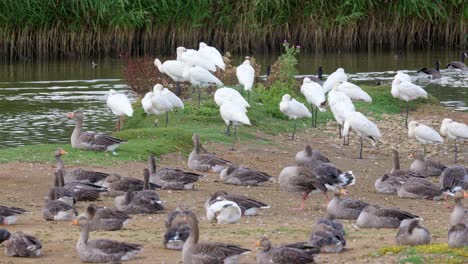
257, 244
410, 156
465, 194
343, 192
63, 152
74, 222
71, 115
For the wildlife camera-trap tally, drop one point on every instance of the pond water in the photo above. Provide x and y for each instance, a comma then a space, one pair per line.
35, 97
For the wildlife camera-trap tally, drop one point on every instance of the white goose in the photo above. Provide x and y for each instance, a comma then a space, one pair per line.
211, 53
246, 75
174, 69
406, 91
227, 94
233, 114
454, 130
120, 106
362, 127
164, 100
315, 96
424, 134
354, 92
340, 105
293, 109
338, 76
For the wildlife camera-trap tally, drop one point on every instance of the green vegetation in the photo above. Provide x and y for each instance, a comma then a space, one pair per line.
432, 253
50, 28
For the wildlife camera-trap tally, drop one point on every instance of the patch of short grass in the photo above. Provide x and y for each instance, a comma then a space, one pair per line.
432, 253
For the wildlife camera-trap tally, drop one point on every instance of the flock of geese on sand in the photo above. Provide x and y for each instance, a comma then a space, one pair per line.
312, 173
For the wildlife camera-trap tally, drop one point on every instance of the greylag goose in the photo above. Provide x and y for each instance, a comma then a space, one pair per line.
328, 235
459, 64
412, 233
345, 208
58, 210
223, 211
117, 183
85, 191
169, 178
459, 214
372, 216
201, 161
91, 140
458, 236
79, 175
452, 179
238, 175
419, 188
178, 230
434, 73
195, 252
9, 215
102, 250
58, 191
424, 165
20, 244
284, 254
247, 205
106, 219
308, 154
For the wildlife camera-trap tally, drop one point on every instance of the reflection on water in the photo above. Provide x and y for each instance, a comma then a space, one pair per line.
34, 98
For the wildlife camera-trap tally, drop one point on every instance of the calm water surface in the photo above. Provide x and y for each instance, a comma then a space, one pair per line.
35, 97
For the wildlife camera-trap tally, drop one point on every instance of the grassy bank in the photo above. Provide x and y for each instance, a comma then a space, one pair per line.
144, 137
433, 253
49, 28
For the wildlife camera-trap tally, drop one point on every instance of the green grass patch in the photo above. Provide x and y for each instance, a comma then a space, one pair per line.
432, 253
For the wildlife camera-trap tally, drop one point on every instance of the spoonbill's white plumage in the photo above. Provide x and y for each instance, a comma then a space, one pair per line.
340, 105
423, 134
174, 69
338, 76
200, 77
454, 130
293, 109
192, 57
354, 92
227, 94
315, 96
148, 105
406, 91
120, 106
164, 101
246, 75
233, 114
363, 127
211, 53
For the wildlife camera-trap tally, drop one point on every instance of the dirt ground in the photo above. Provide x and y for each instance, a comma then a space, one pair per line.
24, 185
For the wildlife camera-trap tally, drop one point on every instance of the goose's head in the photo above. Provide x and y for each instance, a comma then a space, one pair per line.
202, 45
112, 92
77, 114
264, 243
419, 155
59, 152
286, 98
306, 80
157, 88
81, 221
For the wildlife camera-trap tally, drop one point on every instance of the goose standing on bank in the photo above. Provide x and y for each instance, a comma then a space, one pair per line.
91, 140
412, 233
233, 115
195, 252
458, 236
174, 69
120, 107
20, 244
293, 110
319, 78
315, 96
164, 101
405, 90
460, 65
454, 130
362, 127
248, 206
433, 73
424, 134
425, 166
340, 105
289, 253
246, 75
212, 54
204, 161
9, 215
238, 175
338, 76
102, 250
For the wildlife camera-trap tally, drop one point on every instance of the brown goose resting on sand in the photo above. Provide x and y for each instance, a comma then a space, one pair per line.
424, 165
284, 254
412, 233
58, 191
9, 215
238, 175
345, 208
79, 175
201, 161
419, 188
373, 216
20, 244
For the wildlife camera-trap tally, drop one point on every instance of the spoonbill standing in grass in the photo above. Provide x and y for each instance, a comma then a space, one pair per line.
200, 77
233, 114
148, 107
246, 74
454, 130
405, 90
192, 57
315, 96
211, 53
354, 92
120, 106
363, 127
165, 101
338, 76
424, 134
174, 69
293, 109
340, 105
227, 94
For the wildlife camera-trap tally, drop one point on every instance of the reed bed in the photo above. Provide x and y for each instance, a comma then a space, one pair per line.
51, 29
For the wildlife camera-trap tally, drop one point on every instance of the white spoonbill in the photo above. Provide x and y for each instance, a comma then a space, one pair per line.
227, 94
406, 91
423, 134
363, 127
165, 101
338, 76
315, 96
174, 69
212, 54
120, 106
354, 92
246, 75
233, 114
454, 130
200, 77
192, 57
340, 105
293, 109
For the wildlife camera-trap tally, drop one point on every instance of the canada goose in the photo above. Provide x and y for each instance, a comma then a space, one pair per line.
177, 231
373, 216
434, 73
293, 109
106, 219
169, 178
338, 76
458, 236
459, 64
120, 106
20, 244
328, 235
319, 78
91, 140
419, 188
284, 254
459, 214
238, 175
247, 205
308, 154
58, 191
412, 233
424, 165
452, 179
204, 161
345, 208
195, 252
423, 134
9, 215
79, 174
404, 89
223, 211
102, 250
58, 210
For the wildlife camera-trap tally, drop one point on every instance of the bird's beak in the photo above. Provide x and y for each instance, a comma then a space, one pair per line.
63, 152
465, 194
343, 192
257, 244
74, 222
410, 156
71, 115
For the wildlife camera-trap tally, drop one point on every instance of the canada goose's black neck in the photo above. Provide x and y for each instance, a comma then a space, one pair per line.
437, 66
320, 73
